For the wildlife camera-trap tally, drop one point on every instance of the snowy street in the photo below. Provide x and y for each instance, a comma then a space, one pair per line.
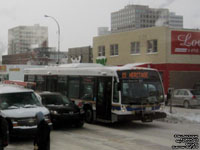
158, 135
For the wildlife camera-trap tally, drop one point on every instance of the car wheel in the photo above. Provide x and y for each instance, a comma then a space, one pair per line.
186, 104
88, 115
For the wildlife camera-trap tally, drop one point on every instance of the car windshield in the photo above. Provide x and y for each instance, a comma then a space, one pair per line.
55, 99
195, 92
141, 92
16, 100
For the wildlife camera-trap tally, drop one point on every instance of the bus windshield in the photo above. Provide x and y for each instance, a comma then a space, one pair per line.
134, 92
140, 87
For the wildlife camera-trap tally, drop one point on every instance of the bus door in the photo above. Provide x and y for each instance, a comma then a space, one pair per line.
51, 83
103, 102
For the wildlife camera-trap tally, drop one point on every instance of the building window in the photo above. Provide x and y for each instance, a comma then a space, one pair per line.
152, 46
101, 51
135, 47
114, 50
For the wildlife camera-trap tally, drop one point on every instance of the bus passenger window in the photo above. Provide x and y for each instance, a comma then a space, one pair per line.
62, 85
87, 88
40, 86
116, 93
74, 88
87, 92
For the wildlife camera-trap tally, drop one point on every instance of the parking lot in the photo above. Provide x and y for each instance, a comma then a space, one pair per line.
158, 135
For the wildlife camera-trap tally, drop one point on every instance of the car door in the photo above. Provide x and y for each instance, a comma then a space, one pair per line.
175, 97
187, 96
180, 97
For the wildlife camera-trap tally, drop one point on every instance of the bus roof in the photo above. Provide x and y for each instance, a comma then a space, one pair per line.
81, 69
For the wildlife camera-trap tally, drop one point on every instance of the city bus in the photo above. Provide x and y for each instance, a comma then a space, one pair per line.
107, 94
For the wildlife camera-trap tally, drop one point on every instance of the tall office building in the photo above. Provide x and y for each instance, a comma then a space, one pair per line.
140, 16
103, 31
22, 39
175, 21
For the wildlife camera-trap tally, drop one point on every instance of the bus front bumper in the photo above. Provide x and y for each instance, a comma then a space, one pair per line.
144, 117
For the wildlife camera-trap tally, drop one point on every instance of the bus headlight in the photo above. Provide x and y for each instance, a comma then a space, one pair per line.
54, 112
123, 108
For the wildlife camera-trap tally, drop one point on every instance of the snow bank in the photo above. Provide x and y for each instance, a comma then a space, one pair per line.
181, 115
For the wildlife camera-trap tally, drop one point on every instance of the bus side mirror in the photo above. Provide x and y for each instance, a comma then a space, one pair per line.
118, 87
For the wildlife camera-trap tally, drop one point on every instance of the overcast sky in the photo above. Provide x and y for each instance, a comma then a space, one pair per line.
79, 19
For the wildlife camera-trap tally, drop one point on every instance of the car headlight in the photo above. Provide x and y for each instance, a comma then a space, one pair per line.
14, 122
54, 112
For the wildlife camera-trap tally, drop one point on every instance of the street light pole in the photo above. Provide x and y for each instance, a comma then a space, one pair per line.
58, 61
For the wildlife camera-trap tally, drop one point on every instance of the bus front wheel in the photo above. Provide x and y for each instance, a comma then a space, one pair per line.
89, 115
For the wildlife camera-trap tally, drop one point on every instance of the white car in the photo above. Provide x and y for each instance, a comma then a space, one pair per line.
19, 106
186, 97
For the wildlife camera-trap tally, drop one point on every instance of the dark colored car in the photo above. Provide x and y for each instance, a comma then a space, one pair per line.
62, 109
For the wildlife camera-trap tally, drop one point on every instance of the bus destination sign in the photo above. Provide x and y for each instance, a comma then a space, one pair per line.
133, 74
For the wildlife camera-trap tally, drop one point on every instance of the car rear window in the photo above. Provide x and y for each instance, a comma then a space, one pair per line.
54, 99
195, 92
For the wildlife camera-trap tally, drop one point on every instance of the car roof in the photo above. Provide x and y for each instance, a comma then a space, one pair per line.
7, 88
48, 93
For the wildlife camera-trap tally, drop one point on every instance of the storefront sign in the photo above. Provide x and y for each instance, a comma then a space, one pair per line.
2, 68
185, 42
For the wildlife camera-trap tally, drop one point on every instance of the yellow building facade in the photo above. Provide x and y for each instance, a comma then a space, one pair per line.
124, 40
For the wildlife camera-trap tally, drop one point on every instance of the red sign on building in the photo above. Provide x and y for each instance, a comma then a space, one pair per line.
185, 42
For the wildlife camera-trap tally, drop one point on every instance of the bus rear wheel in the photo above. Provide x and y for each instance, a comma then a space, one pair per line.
89, 115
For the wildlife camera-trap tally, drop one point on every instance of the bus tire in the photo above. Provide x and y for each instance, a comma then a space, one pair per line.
89, 115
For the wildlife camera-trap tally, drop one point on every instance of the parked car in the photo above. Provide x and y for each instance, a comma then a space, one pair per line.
19, 106
186, 97
62, 109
